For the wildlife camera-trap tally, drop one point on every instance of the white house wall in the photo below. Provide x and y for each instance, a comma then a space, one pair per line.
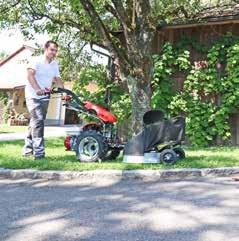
14, 73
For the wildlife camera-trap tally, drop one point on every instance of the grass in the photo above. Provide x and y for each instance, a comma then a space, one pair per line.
59, 159
5, 128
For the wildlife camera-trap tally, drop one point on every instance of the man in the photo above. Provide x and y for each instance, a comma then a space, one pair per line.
42, 71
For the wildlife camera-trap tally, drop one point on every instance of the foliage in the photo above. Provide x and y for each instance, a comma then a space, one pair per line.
126, 28
3, 55
6, 108
96, 77
6, 111
3, 97
165, 65
211, 87
72, 56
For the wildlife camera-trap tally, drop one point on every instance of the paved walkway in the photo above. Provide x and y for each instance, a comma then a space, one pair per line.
119, 210
50, 131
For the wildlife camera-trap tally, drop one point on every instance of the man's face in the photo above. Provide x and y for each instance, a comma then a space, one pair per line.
51, 51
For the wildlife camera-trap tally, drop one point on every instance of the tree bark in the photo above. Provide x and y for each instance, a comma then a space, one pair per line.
140, 98
138, 82
139, 49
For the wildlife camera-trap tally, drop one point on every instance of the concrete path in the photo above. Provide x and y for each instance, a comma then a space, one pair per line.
50, 131
119, 210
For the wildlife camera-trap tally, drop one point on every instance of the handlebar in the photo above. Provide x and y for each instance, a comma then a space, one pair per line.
68, 92
76, 103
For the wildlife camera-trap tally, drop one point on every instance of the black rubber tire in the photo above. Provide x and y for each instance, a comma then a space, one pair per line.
91, 146
112, 154
180, 153
168, 156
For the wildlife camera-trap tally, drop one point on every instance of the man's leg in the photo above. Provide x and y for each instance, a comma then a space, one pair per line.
28, 147
35, 138
39, 115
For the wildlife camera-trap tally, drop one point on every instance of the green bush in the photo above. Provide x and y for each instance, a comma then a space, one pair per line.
210, 90
6, 109
120, 103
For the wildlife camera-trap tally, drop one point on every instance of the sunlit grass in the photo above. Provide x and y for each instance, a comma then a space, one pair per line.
59, 159
5, 128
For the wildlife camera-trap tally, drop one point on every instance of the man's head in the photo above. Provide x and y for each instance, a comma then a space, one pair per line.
50, 49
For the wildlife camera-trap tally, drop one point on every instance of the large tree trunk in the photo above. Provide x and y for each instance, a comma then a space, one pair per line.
138, 81
139, 45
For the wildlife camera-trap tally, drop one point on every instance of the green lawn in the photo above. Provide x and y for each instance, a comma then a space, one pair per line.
5, 128
59, 159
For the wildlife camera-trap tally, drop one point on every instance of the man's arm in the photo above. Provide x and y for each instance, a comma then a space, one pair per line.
32, 80
58, 82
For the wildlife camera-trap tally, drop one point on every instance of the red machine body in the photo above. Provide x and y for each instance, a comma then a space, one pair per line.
95, 139
67, 143
101, 112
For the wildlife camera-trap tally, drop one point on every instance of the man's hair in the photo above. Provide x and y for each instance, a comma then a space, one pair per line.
47, 44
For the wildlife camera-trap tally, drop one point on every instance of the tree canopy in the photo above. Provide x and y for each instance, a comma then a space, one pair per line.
126, 28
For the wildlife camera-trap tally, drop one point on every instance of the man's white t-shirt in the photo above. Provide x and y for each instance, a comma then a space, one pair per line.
45, 72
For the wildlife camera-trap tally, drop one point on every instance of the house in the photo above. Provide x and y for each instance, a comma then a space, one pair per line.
13, 80
206, 27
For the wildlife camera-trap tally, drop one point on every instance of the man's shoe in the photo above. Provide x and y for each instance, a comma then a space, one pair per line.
29, 154
39, 157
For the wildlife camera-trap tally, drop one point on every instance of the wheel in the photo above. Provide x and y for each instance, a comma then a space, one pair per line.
90, 146
112, 154
168, 156
179, 152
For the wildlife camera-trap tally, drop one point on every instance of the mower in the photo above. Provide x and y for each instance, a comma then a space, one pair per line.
158, 142
96, 140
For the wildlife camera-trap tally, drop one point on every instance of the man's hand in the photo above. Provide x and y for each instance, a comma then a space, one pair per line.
40, 92
66, 97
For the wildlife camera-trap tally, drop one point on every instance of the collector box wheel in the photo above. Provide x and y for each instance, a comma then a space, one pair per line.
179, 152
168, 156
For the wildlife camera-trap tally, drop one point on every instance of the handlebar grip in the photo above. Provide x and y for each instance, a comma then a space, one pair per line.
47, 91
